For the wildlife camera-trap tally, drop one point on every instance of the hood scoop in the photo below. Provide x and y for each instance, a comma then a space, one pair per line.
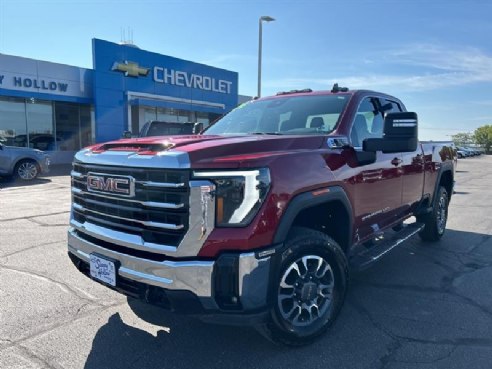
140, 148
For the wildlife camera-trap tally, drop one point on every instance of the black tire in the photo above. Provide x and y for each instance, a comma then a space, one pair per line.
26, 170
323, 285
435, 221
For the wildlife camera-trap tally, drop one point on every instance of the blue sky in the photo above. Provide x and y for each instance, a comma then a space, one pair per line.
436, 56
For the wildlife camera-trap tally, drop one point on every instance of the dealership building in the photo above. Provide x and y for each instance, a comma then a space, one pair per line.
61, 108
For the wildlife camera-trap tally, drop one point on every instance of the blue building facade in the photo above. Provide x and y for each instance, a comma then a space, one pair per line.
132, 86
61, 108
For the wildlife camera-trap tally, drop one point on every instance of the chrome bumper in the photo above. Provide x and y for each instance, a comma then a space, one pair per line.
45, 165
193, 276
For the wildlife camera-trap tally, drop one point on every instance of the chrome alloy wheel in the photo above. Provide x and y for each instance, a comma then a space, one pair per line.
306, 290
442, 214
27, 170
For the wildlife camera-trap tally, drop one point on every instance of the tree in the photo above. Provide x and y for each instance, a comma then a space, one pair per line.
483, 136
463, 139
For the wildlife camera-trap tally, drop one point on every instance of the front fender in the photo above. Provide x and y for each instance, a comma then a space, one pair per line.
309, 199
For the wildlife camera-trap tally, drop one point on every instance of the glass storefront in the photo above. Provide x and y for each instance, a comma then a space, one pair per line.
45, 125
143, 114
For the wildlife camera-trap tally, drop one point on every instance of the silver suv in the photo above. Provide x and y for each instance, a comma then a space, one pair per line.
23, 162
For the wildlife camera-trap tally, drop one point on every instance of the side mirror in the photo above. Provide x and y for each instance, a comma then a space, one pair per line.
400, 134
197, 128
127, 134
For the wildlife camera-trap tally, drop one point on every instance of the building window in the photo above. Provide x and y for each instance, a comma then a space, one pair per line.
40, 125
45, 125
13, 124
73, 124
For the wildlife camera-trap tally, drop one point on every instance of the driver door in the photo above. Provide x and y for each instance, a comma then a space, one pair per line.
378, 185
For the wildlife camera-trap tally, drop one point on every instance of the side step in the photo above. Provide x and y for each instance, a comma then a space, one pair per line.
364, 259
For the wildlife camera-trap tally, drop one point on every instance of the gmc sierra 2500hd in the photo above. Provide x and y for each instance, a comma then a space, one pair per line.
259, 219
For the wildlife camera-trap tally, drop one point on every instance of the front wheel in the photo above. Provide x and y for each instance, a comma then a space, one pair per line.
27, 170
435, 221
309, 288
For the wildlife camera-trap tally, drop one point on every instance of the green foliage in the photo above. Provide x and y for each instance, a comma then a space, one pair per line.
463, 139
483, 136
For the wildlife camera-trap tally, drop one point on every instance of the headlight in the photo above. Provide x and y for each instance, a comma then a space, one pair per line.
238, 194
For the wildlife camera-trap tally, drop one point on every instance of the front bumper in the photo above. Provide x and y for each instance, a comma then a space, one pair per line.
44, 164
231, 284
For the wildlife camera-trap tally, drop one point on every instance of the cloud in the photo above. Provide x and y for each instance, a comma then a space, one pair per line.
432, 67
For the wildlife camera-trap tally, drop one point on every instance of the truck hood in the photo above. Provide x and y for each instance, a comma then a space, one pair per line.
212, 150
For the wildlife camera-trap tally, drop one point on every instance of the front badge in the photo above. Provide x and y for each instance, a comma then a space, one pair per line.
111, 184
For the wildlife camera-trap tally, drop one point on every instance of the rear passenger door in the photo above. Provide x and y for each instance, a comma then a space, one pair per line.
378, 186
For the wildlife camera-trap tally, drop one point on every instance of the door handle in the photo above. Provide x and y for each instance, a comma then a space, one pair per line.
396, 162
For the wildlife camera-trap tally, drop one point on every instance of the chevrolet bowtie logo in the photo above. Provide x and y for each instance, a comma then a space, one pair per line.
130, 69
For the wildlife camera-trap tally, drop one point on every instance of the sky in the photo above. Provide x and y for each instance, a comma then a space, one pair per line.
434, 55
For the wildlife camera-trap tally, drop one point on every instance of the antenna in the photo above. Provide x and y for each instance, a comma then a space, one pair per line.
126, 34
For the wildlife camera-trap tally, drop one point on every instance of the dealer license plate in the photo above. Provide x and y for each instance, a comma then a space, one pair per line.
103, 270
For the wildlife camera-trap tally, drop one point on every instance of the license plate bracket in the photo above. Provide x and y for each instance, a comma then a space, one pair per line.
103, 269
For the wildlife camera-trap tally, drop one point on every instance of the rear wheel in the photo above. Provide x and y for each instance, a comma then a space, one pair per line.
309, 288
435, 221
27, 170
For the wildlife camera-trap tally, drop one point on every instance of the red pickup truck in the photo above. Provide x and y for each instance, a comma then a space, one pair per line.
259, 219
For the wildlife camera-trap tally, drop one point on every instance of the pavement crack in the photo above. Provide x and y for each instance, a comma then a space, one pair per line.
67, 321
43, 224
63, 286
29, 248
395, 343
34, 216
32, 357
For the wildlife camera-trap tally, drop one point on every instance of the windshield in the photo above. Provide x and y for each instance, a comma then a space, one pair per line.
315, 114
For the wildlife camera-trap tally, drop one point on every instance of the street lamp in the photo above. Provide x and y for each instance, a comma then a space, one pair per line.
264, 18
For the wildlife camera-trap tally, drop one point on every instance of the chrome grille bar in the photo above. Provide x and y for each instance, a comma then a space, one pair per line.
160, 184
150, 204
121, 238
175, 227
80, 176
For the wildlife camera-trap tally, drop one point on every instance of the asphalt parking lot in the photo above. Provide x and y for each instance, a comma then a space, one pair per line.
421, 306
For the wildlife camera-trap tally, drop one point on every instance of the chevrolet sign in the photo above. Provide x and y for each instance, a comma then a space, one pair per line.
131, 69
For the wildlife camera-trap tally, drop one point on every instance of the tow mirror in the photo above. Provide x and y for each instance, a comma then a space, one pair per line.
400, 134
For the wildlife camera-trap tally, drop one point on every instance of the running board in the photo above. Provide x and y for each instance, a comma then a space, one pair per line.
364, 259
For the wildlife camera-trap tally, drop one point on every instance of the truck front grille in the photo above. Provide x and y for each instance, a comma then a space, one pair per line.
158, 213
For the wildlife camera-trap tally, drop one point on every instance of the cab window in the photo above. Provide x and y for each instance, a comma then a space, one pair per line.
368, 122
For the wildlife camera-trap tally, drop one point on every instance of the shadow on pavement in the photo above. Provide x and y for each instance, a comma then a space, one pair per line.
381, 299
183, 342
6, 182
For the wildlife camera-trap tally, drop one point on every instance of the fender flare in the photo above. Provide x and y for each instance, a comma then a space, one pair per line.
445, 167
310, 199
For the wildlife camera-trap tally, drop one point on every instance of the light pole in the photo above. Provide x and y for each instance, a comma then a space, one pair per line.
264, 18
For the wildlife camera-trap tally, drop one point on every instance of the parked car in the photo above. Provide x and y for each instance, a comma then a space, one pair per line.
25, 163
465, 152
161, 128
461, 153
259, 219
474, 151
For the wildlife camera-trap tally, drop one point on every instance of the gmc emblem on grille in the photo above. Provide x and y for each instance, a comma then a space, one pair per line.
116, 185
